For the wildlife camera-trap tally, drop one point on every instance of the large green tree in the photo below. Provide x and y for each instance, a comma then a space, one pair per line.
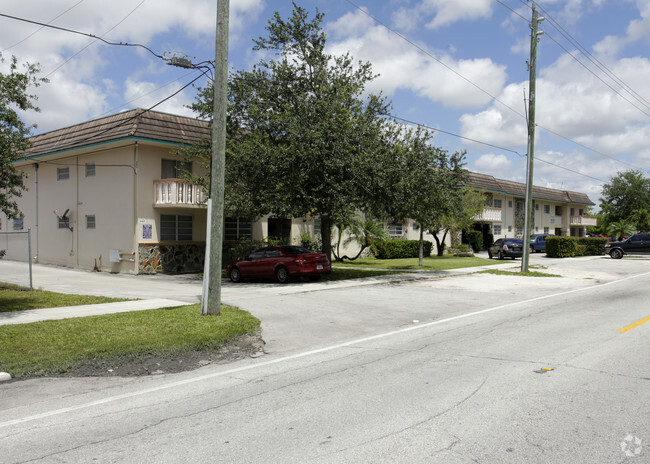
626, 198
14, 133
300, 127
423, 180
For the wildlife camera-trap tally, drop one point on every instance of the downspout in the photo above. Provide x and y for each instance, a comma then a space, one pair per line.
136, 252
76, 246
35, 258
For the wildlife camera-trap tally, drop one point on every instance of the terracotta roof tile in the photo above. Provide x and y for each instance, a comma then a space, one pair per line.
517, 189
138, 123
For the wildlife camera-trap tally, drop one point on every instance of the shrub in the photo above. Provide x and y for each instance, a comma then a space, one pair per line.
392, 249
475, 239
311, 243
569, 247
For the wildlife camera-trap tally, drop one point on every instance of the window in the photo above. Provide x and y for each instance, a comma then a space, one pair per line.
395, 230
519, 206
536, 206
546, 229
510, 204
573, 212
520, 230
498, 203
236, 228
62, 173
90, 169
175, 228
90, 221
509, 228
558, 211
547, 209
174, 169
18, 224
64, 223
496, 229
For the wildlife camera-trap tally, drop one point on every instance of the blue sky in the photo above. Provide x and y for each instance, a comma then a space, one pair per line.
593, 105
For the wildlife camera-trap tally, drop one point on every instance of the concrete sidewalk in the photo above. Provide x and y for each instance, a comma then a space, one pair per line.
34, 315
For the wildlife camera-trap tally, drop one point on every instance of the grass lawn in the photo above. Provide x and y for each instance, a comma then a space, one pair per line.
432, 263
16, 298
54, 347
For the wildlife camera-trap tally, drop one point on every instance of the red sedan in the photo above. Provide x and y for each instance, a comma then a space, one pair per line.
281, 263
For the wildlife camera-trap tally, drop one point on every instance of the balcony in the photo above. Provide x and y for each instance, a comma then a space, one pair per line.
489, 214
584, 221
175, 193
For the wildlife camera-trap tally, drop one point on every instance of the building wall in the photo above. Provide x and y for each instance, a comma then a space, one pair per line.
548, 217
108, 196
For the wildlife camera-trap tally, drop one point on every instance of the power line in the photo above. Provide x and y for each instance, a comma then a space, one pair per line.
433, 57
93, 36
112, 28
39, 29
595, 60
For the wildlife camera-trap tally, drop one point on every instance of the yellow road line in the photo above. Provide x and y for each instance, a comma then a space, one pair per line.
635, 325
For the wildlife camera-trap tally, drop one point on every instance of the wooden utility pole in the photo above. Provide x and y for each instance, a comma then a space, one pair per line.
528, 221
212, 297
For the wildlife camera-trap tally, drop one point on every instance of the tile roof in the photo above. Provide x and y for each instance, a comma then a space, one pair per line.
136, 123
517, 189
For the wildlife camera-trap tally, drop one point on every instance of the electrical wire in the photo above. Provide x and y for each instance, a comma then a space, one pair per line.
41, 28
93, 36
95, 40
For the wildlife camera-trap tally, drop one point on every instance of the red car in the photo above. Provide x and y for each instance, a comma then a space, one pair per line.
281, 263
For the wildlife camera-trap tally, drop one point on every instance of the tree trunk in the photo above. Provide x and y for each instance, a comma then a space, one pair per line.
326, 234
440, 244
421, 254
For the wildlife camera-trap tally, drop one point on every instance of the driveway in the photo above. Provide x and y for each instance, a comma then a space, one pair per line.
307, 315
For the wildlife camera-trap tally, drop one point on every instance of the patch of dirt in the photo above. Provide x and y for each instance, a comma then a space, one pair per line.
250, 345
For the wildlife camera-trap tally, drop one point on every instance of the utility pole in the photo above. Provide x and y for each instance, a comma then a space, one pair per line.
212, 298
528, 221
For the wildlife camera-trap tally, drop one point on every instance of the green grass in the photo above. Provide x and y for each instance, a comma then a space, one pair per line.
432, 263
518, 273
16, 298
54, 347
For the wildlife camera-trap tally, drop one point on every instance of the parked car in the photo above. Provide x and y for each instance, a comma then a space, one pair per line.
506, 248
637, 244
538, 242
281, 263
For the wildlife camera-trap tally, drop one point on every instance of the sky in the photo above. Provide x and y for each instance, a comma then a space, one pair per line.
458, 67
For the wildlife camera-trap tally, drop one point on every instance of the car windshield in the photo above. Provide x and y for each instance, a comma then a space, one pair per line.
513, 241
295, 250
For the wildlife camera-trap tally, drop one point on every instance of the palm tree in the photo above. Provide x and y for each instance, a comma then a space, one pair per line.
620, 229
362, 231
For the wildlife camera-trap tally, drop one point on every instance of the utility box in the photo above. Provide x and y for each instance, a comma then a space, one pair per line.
114, 256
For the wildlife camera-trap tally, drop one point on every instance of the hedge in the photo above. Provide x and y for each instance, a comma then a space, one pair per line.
569, 247
392, 249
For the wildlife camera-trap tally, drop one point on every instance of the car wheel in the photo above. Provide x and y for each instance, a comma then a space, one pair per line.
282, 275
235, 275
501, 255
532, 249
489, 255
616, 254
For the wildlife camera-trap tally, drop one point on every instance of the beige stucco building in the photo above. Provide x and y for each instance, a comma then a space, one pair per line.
106, 195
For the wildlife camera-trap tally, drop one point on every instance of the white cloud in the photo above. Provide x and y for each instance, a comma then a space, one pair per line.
402, 66
440, 13
492, 164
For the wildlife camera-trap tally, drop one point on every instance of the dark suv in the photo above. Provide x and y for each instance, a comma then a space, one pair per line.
637, 244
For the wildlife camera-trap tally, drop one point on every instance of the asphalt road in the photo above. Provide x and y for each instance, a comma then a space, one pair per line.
470, 368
